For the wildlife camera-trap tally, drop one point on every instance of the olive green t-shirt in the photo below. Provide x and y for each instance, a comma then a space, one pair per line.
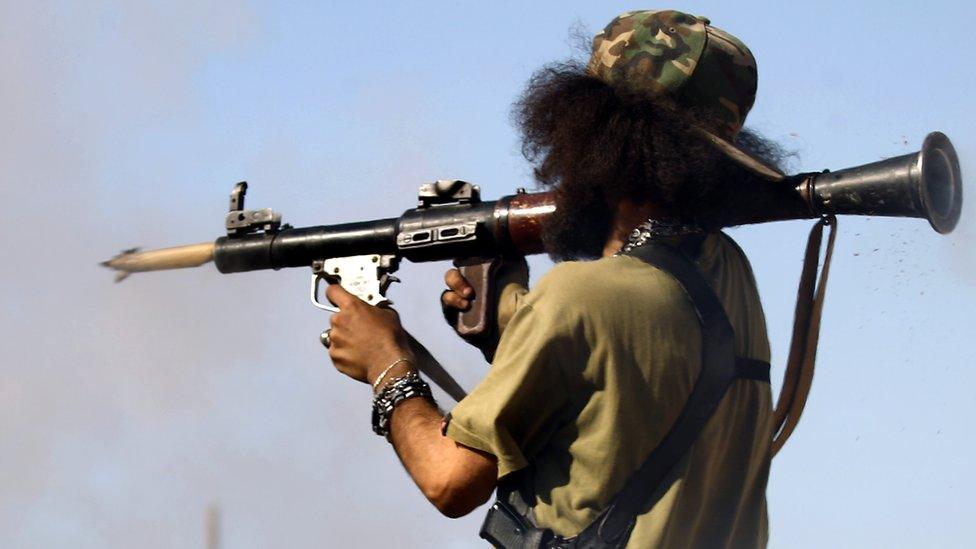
593, 368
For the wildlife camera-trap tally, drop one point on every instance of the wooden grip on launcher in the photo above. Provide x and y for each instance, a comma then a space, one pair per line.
525, 214
479, 322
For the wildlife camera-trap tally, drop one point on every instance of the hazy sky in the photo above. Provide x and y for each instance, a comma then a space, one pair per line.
126, 411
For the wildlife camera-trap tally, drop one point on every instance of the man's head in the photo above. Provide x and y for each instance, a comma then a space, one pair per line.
654, 116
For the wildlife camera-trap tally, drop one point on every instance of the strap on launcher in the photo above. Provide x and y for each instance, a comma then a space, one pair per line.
806, 334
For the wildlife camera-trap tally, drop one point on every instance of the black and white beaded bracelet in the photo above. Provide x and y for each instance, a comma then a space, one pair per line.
395, 392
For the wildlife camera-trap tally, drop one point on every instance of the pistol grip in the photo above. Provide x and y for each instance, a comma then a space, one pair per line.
478, 323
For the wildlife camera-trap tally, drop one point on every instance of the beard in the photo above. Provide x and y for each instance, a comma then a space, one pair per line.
579, 227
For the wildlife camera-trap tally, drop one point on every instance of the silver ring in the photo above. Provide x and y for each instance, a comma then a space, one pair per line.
326, 338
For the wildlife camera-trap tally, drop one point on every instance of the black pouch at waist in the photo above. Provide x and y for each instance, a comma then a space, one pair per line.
505, 527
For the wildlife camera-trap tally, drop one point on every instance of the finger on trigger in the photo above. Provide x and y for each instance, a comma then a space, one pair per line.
339, 296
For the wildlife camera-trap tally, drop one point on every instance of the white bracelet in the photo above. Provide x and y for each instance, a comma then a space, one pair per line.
379, 378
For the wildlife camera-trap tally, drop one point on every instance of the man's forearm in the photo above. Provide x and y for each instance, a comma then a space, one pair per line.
455, 478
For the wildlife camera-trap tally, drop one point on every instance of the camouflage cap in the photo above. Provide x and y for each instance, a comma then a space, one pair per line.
683, 56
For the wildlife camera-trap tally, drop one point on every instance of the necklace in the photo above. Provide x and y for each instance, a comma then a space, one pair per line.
656, 228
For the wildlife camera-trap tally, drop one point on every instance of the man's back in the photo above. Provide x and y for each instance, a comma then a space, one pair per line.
593, 369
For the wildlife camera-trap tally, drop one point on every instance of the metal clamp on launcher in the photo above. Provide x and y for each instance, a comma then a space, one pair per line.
444, 192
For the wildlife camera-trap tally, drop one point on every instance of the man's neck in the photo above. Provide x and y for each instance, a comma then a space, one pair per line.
628, 216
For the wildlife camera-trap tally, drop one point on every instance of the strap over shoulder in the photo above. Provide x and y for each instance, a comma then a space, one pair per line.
717, 373
509, 522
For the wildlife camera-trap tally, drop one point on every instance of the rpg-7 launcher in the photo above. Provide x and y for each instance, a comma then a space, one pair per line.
452, 222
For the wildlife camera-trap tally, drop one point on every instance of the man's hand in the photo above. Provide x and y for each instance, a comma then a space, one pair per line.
364, 339
509, 279
459, 292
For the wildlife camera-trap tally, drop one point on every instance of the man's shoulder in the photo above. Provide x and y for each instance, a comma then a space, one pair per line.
613, 270
609, 282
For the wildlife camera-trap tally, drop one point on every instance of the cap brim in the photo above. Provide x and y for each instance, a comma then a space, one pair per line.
742, 158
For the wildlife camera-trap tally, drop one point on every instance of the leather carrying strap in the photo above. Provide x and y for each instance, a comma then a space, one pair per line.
717, 373
806, 334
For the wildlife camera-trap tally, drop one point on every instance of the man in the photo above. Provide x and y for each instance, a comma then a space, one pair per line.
597, 362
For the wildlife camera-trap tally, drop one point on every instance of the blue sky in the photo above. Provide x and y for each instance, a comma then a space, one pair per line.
129, 410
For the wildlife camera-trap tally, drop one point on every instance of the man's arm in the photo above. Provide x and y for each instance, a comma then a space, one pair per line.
364, 339
454, 477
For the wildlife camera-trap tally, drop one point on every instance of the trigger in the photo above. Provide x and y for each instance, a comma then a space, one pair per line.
385, 282
316, 279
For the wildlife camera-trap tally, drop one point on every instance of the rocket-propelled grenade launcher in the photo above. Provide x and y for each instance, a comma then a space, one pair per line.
452, 222
449, 222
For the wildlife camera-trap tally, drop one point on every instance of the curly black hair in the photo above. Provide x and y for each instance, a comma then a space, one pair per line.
598, 144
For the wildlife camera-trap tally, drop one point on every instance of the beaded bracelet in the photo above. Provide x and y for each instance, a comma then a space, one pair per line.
398, 390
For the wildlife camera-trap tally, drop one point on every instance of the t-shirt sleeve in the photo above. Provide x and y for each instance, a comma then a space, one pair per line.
510, 300
522, 399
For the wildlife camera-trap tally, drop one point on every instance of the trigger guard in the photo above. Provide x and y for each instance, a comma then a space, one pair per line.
316, 279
